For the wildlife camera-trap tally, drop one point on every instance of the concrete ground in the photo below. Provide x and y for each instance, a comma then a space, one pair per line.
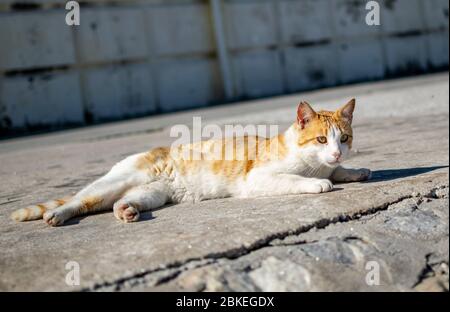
396, 223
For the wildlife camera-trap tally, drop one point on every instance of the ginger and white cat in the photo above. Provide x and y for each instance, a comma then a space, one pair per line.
305, 158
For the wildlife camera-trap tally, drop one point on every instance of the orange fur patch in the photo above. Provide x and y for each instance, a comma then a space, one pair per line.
42, 208
248, 153
320, 125
90, 203
60, 201
155, 161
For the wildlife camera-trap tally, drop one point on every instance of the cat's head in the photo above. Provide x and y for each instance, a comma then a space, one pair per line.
324, 137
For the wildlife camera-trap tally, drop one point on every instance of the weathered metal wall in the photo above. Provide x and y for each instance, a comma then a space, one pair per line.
131, 58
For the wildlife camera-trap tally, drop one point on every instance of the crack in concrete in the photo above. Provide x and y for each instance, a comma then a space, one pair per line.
431, 271
426, 271
175, 269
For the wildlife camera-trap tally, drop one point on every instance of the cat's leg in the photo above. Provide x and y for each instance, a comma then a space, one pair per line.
284, 184
341, 174
35, 212
99, 195
141, 198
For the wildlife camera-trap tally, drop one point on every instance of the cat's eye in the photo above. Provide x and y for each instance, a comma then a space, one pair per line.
322, 140
344, 138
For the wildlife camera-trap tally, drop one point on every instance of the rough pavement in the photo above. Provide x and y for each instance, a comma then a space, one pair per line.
304, 243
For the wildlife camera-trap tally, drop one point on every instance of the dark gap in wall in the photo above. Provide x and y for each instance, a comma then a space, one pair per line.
411, 68
111, 3
56, 6
312, 43
194, 55
51, 69
34, 71
85, 4
437, 68
316, 75
25, 6
389, 4
88, 117
5, 122
410, 33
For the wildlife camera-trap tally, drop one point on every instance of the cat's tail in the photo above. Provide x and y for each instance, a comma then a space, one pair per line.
36, 212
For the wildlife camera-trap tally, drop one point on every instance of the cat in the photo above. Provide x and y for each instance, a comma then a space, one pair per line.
306, 158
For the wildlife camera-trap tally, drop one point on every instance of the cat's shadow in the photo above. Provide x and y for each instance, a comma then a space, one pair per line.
394, 174
145, 216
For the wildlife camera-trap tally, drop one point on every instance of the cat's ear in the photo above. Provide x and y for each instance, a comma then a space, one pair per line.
305, 114
346, 111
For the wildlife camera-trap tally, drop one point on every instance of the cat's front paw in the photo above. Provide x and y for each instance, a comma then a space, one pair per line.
126, 213
319, 186
53, 218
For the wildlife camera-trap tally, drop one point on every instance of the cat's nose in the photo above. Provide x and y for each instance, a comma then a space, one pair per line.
336, 155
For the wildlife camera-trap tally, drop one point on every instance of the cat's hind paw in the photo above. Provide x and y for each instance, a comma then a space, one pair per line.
126, 213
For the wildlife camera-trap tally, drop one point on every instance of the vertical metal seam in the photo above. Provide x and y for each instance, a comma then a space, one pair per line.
151, 57
80, 70
221, 46
280, 47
